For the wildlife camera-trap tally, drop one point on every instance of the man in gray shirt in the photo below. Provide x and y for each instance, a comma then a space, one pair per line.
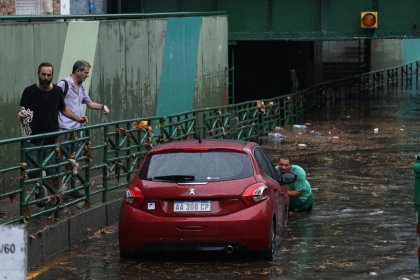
76, 95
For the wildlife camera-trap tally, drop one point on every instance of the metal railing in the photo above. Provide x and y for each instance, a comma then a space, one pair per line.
50, 174
43, 174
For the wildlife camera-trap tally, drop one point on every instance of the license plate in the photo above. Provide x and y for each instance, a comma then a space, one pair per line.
192, 206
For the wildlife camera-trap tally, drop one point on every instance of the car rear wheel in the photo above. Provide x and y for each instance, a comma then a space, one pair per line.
268, 254
124, 254
127, 255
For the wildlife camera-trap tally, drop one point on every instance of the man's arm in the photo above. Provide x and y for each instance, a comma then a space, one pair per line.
300, 183
294, 193
69, 114
97, 106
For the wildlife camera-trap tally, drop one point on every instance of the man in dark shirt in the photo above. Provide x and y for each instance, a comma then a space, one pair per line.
44, 100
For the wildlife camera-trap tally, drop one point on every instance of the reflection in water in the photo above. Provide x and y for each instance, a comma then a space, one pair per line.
300, 235
362, 225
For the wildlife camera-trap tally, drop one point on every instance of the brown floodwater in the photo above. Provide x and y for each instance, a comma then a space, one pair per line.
363, 225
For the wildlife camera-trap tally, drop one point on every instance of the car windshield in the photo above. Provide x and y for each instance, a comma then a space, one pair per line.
196, 167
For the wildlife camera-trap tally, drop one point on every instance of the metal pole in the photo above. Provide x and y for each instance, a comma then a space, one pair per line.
416, 169
105, 171
23, 174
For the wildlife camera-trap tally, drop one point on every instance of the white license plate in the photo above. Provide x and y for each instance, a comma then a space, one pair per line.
192, 206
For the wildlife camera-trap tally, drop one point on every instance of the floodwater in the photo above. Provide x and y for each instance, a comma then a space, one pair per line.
363, 225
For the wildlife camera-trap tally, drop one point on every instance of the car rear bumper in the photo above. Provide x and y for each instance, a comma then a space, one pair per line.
246, 229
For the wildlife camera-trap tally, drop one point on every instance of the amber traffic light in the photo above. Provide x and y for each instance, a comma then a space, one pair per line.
369, 19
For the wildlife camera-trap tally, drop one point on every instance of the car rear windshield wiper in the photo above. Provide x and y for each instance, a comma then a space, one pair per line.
175, 178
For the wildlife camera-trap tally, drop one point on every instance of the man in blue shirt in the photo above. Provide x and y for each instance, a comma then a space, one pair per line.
75, 94
300, 193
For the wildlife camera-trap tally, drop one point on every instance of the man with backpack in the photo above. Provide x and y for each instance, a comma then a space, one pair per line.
75, 95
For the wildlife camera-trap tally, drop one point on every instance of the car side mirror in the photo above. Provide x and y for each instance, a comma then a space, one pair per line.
287, 177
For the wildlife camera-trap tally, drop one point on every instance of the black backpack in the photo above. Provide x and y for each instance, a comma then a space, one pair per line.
66, 87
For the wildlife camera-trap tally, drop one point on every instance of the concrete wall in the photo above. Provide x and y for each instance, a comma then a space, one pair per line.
340, 51
59, 237
394, 52
128, 66
385, 54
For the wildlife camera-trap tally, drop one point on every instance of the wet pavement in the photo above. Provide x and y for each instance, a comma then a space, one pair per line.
363, 221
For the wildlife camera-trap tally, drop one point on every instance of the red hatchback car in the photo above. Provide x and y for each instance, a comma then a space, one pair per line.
204, 195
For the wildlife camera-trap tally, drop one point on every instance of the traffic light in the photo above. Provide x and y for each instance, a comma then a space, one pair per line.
369, 19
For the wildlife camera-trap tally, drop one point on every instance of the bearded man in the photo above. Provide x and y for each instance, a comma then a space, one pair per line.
46, 100
41, 103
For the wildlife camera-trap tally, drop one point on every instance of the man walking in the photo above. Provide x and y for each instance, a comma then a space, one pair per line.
76, 95
45, 100
41, 104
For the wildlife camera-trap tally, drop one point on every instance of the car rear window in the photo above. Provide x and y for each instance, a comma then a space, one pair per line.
197, 166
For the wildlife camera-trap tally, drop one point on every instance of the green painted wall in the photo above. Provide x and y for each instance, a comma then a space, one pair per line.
410, 50
22, 48
176, 88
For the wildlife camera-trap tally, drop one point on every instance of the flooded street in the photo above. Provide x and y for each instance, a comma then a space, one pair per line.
363, 220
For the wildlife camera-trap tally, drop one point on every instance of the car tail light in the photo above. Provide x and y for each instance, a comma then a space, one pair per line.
255, 194
133, 196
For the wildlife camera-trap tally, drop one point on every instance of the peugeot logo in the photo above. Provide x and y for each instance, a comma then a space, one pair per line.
192, 191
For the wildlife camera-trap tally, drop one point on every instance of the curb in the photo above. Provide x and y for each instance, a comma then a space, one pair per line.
55, 239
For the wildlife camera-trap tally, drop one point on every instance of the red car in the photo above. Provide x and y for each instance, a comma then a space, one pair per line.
204, 195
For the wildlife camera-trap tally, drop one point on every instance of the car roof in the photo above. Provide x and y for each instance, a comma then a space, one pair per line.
227, 144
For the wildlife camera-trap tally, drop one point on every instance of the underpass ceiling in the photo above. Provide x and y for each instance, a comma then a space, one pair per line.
299, 19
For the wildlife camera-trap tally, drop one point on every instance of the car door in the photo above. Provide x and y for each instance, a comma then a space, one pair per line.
279, 192
271, 177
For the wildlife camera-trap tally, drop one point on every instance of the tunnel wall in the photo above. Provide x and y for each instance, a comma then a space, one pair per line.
394, 52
